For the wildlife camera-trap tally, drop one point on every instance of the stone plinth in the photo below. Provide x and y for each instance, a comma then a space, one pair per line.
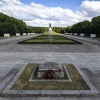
50, 65
32, 33
17, 34
75, 33
28, 33
81, 34
71, 33
24, 33
92, 35
66, 33
6, 35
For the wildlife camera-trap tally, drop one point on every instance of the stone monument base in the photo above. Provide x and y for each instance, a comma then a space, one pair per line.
50, 65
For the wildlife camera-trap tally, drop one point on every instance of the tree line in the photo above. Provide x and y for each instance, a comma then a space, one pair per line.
86, 27
12, 25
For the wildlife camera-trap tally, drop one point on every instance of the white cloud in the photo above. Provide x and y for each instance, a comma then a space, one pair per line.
40, 15
90, 8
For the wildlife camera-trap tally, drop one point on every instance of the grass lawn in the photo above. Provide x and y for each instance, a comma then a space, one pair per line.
36, 40
53, 33
44, 39
23, 81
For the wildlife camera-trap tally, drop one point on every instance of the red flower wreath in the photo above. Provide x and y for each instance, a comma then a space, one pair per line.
49, 74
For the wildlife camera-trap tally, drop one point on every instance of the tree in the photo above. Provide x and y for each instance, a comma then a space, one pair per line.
95, 25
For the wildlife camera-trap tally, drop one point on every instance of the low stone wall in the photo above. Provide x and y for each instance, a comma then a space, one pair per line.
6, 35
17, 34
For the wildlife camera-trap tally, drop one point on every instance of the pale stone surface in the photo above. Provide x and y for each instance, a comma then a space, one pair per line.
17, 34
87, 57
78, 60
24, 34
81, 34
50, 31
75, 34
71, 33
28, 33
10, 45
66, 33
92, 35
6, 35
49, 65
32, 33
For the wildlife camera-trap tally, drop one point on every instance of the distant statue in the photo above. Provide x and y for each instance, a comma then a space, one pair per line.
50, 29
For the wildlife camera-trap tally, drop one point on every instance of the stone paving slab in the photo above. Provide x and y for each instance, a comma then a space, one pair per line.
6, 79
94, 78
11, 45
10, 39
83, 56
50, 98
84, 38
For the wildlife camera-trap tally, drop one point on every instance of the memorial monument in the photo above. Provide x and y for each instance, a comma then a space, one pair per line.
50, 70
50, 29
50, 33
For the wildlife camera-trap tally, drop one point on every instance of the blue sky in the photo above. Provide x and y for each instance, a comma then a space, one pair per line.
56, 12
71, 4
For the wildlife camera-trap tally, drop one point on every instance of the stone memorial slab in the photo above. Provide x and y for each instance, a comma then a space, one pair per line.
17, 34
75, 34
7, 35
32, 33
24, 33
66, 33
50, 65
71, 33
81, 34
29, 33
92, 35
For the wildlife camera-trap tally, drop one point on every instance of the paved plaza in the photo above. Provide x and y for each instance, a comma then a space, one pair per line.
85, 56
10, 45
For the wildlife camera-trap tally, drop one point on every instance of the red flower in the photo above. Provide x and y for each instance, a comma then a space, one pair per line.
49, 74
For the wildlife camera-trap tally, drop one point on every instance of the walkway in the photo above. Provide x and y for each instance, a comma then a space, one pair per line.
87, 60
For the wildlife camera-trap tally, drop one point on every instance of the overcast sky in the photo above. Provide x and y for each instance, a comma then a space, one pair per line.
56, 12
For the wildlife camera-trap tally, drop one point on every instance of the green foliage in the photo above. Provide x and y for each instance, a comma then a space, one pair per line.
86, 27
95, 25
11, 25
60, 30
53, 33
